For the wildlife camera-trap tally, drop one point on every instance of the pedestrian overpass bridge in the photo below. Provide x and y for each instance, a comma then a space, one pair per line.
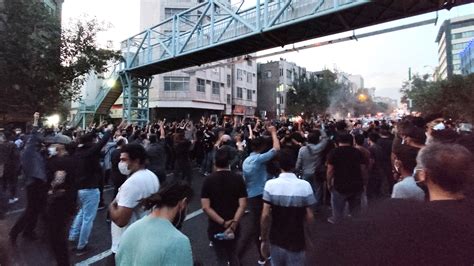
214, 30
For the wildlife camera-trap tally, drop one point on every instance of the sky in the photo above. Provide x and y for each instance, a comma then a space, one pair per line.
382, 60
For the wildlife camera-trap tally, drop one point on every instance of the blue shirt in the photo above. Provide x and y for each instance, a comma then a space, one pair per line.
255, 172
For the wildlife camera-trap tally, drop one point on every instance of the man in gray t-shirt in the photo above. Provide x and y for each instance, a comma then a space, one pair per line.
405, 162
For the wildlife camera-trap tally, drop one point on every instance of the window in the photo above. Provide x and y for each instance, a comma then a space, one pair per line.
170, 12
216, 88
176, 83
239, 74
249, 77
460, 46
249, 62
269, 74
228, 98
228, 80
240, 93
281, 72
249, 95
288, 73
201, 85
466, 34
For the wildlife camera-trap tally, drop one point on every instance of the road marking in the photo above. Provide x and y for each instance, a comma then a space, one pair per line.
95, 258
193, 214
107, 253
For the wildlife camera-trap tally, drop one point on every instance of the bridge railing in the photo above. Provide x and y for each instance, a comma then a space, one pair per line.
212, 23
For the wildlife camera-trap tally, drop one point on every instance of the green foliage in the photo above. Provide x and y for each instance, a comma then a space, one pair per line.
41, 68
454, 98
311, 95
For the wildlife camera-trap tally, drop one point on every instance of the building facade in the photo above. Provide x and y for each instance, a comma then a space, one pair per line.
467, 59
356, 83
453, 36
275, 78
228, 89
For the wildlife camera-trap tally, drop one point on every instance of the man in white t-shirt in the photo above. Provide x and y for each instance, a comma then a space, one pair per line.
126, 207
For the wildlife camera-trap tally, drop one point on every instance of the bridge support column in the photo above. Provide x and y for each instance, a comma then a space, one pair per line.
135, 98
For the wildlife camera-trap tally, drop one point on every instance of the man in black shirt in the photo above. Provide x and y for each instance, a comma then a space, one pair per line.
344, 177
223, 199
157, 155
376, 172
62, 196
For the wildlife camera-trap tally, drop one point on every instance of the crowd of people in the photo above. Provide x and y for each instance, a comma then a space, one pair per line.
279, 175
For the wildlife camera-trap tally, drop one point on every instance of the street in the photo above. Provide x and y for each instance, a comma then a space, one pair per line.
195, 227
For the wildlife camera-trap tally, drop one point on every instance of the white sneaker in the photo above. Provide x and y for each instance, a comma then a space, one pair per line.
13, 200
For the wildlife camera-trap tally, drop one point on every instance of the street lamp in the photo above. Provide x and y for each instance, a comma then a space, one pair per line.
362, 97
53, 120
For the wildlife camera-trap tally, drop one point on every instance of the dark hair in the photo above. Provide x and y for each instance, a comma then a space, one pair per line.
87, 138
417, 134
313, 136
467, 141
374, 137
257, 144
153, 138
286, 160
450, 166
346, 138
222, 158
341, 125
135, 151
445, 135
407, 155
431, 117
169, 195
359, 139
121, 142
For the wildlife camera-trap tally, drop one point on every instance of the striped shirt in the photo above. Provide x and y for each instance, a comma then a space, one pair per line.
289, 197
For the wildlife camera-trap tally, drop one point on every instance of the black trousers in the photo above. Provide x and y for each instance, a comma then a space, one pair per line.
36, 194
59, 217
10, 181
255, 206
183, 171
226, 252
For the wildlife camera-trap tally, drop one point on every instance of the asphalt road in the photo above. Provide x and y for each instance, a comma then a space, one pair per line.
38, 253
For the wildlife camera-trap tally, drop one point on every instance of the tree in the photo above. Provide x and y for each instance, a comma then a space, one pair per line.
454, 98
311, 95
318, 95
42, 67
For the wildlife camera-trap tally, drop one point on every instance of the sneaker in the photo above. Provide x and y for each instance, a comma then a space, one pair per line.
12, 200
264, 261
331, 220
81, 251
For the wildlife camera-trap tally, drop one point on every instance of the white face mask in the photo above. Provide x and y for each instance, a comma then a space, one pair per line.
52, 151
123, 168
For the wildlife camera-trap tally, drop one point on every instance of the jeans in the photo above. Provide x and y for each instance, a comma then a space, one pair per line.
206, 166
283, 257
338, 204
82, 225
317, 189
